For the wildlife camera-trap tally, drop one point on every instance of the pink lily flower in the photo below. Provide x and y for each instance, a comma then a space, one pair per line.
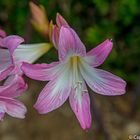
8, 92
69, 76
13, 53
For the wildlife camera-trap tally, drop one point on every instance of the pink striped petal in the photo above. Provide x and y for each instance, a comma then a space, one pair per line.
69, 43
61, 21
80, 105
98, 54
13, 107
13, 87
103, 82
43, 72
54, 94
12, 42
2, 33
5, 72
6, 65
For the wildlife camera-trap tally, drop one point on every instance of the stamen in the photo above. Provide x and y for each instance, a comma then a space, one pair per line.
78, 84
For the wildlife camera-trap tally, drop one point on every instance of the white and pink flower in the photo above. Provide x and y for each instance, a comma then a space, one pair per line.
69, 77
12, 55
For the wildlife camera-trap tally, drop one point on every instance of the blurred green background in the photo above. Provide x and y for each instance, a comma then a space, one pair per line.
94, 21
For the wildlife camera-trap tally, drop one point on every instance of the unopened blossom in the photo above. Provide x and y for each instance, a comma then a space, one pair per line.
41, 23
39, 18
60, 21
8, 92
69, 77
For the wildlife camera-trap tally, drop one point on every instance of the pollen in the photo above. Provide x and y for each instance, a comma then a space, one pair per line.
74, 60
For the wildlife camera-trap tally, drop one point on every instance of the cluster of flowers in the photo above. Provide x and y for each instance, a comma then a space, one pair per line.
68, 77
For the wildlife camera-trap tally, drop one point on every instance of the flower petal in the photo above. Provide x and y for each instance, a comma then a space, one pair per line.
6, 65
13, 87
69, 43
43, 72
80, 105
5, 72
13, 107
98, 54
30, 52
54, 94
12, 42
61, 21
103, 82
2, 111
2, 33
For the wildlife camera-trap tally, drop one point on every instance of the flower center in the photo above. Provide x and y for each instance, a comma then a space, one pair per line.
77, 79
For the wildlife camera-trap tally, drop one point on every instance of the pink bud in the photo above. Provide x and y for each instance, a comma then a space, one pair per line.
61, 21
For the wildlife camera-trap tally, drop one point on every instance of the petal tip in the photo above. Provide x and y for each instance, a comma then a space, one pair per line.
110, 42
61, 21
36, 106
86, 127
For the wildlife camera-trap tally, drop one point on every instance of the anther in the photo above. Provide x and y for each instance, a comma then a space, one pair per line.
80, 82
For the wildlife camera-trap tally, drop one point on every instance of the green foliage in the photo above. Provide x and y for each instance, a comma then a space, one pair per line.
102, 6
94, 21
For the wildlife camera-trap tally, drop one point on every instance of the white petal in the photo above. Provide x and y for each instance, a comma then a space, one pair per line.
101, 81
55, 93
30, 52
